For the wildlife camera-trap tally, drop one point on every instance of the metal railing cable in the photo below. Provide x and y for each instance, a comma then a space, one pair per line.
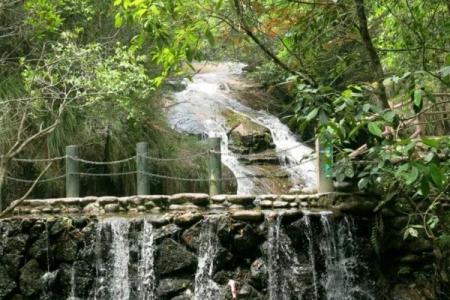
32, 181
35, 160
102, 163
189, 157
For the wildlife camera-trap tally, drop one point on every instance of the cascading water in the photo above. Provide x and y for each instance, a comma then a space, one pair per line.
198, 110
116, 278
287, 277
205, 287
341, 263
312, 256
120, 283
146, 271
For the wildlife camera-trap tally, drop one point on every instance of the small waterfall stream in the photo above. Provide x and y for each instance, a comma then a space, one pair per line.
146, 271
205, 287
120, 250
288, 278
115, 277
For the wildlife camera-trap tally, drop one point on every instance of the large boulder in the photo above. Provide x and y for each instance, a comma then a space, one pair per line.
172, 257
251, 138
31, 278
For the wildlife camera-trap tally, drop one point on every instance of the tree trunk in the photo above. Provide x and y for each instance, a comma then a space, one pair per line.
373, 55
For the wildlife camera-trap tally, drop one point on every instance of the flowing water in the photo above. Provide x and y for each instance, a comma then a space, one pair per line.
146, 271
115, 276
287, 277
205, 287
199, 110
338, 247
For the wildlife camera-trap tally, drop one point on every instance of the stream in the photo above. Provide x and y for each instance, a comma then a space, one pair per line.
198, 109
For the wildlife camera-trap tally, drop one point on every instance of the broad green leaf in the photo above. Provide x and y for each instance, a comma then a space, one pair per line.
431, 142
418, 98
118, 21
412, 176
312, 114
389, 116
375, 129
437, 176
363, 183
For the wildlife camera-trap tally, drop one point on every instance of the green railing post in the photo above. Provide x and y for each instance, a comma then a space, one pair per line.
215, 166
324, 168
142, 167
72, 172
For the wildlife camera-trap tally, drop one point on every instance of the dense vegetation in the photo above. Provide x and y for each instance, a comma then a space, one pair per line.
370, 77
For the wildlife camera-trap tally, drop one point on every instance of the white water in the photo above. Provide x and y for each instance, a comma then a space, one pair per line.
312, 257
205, 287
284, 268
338, 248
120, 249
146, 271
199, 111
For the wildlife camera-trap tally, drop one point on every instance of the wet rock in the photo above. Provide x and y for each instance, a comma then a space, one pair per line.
16, 244
31, 278
66, 250
171, 286
12, 263
245, 241
187, 219
63, 277
243, 200
250, 293
169, 230
222, 277
39, 249
248, 215
191, 236
252, 136
83, 278
172, 256
258, 273
7, 284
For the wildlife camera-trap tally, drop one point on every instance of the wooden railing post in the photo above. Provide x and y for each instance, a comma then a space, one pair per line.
72, 172
324, 171
215, 166
142, 167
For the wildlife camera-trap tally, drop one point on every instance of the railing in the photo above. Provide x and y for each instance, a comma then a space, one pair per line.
142, 170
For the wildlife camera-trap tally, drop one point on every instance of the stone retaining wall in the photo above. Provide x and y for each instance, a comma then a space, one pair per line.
348, 203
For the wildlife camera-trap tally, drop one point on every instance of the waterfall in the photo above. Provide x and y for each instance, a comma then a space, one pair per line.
341, 263
286, 274
112, 280
146, 271
199, 110
312, 257
205, 287
120, 249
